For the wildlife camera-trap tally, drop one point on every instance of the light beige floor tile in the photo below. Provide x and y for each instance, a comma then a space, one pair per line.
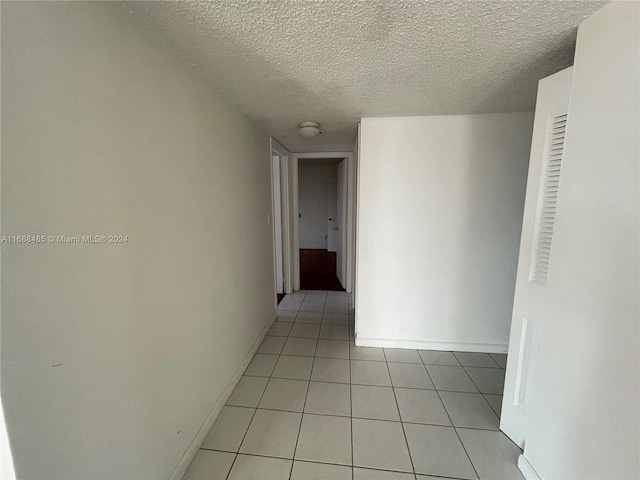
429, 477
378, 403
438, 451
319, 471
495, 401
248, 467
299, 295
248, 392
380, 444
409, 375
337, 299
470, 410
336, 308
500, 359
285, 395
309, 317
488, 380
434, 357
453, 379
272, 433
305, 330
208, 465
402, 355
493, 455
333, 349
335, 319
369, 474
228, 429
328, 399
421, 406
316, 296
280, 329
272, 345
331, 370
312, 307
367, 353
334, 332
283, 313
370, 373
305, 347
469, 359
291, 302
325, 439
294, 368
261, 365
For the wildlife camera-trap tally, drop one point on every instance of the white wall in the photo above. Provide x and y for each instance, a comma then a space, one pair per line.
313, 189
114, 355
440, 204
585, 413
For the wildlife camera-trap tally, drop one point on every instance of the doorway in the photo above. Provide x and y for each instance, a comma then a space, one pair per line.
321, 208
323, 255
280, 218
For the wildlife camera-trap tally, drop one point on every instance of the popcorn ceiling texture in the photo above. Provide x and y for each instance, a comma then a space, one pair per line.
283, 62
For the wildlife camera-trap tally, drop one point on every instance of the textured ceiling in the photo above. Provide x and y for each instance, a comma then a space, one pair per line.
283, 62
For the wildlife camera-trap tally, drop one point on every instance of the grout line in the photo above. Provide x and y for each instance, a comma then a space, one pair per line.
454, 427
472, 381
406, 442
304, 405
314, 461
351, 410
361, 384
350, 359
356, 417
248, 427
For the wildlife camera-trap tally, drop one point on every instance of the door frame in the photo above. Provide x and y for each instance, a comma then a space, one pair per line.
348, 222
285, 216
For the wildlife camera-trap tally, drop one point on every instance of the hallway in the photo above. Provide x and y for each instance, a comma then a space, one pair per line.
312, 405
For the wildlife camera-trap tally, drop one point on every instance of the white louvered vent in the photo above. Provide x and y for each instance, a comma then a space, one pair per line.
549, 198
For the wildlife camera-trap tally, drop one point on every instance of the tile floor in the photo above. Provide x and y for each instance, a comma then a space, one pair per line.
312, 405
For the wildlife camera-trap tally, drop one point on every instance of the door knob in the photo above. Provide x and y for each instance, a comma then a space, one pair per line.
332, 219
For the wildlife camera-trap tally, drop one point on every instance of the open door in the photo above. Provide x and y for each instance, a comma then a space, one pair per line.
280, 217
535, 251
277, 221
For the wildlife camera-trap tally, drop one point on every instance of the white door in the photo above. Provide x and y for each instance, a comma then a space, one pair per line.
535, 251
341, 223
332, 211
277, 221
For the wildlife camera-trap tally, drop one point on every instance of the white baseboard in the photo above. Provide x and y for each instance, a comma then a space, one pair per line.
193, 447
432, 345
526, 468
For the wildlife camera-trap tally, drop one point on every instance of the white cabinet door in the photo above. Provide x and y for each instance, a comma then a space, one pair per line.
545, 165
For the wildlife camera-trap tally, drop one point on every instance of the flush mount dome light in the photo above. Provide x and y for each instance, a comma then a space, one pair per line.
309, 129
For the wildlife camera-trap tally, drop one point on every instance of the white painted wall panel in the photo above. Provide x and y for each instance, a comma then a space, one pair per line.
439, 216
114, 355
585, 420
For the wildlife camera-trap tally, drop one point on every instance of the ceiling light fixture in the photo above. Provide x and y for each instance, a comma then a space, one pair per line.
309, 129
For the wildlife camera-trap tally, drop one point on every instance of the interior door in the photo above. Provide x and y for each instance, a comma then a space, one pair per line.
543, 183
277, 221
341, 223
332, 210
